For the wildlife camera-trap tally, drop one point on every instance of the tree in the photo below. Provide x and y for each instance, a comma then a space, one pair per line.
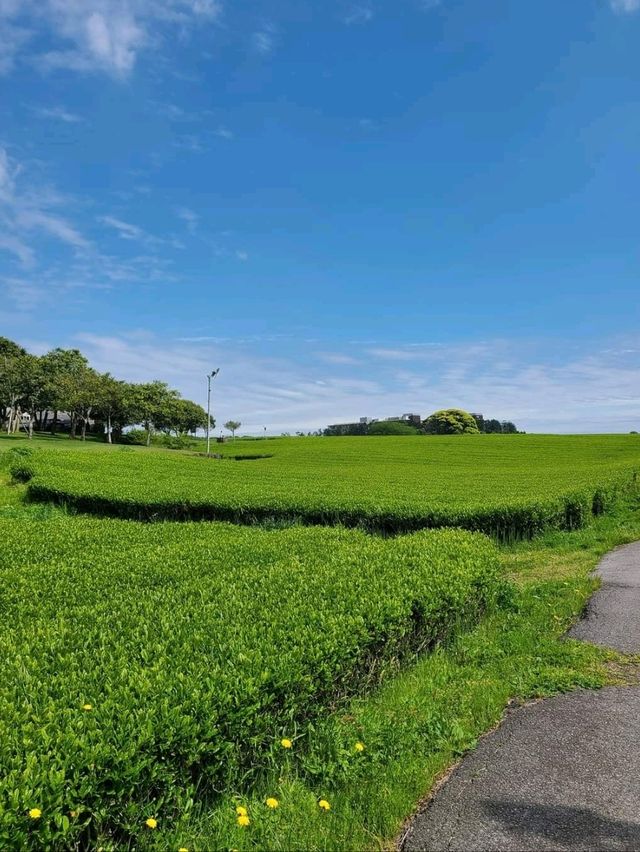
185, 416
233, 426
392, 427
80, 391
151, 406
113, 404
20, 384
63, 374
450, 421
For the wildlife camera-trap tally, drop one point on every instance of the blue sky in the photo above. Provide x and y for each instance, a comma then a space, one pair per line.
352, 208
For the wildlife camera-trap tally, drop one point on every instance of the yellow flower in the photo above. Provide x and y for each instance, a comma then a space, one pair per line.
183, 849
285, 743
272, 803
35, 813
151, 822
324, 805
241, 811
243, 820
73, 814
359, 746
87, 707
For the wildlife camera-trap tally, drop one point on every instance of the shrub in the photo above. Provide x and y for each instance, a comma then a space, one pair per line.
21, 472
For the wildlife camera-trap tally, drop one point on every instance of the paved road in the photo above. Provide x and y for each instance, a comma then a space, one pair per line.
562, 774
613, 613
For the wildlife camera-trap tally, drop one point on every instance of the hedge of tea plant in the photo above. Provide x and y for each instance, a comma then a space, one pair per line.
146, 666
508, 486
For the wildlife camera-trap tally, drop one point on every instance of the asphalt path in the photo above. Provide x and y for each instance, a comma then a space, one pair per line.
560, 774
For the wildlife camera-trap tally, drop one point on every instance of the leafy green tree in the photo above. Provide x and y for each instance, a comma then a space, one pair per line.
63, 377
184, 416
450, 421
20, 384
152, 406
233, 426
392, 427
113, 404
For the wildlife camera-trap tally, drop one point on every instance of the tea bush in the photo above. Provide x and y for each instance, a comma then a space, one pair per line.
145, 666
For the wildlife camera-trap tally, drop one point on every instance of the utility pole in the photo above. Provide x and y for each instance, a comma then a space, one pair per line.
210, 376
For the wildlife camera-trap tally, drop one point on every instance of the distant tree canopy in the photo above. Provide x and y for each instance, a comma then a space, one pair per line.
233, 426
391, 427
498, 427
450, 421
35, 390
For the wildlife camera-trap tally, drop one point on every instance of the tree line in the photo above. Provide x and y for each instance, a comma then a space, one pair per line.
36, 390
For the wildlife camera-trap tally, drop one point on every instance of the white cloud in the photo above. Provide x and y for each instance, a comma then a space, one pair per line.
625, 6
124, 229
358, 15
59, 113
584, 393
95, 35
223, 133
263, 41
242, 255
189, 217
27, 210
24, 294
18, 248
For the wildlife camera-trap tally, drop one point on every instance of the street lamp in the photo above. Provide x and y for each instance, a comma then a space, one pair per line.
210, 376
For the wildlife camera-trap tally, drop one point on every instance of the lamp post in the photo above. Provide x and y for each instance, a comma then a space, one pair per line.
210, 376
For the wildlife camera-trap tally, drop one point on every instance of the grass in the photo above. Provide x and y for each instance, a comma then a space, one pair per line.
417, 723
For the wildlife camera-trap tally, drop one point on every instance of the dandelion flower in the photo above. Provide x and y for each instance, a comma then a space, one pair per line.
359, 747
35, 813
183, 849
87, 707
151, 822
285, 743
324, 805
243, 820
241, 811
272, 803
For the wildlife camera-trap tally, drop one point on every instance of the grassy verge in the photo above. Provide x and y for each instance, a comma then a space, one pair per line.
421, 722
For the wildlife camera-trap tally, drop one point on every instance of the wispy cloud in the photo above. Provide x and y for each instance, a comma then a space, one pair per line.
95, 35
358, 15
591, 391
124, 229
189, 217
223, 133
127, 231
27, 209
625, 6
59, 113
263, 41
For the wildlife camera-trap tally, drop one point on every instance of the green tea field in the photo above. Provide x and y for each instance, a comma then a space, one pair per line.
171, 681
510, 486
